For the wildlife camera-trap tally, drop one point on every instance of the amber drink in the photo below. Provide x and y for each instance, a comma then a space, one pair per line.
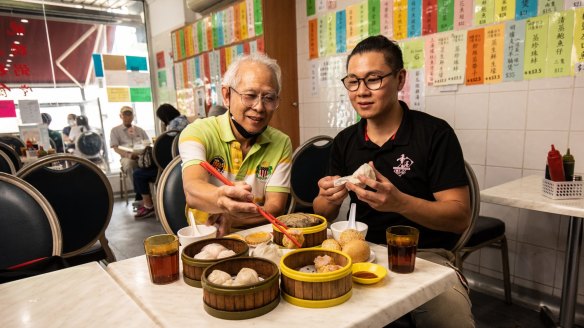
162, 257
402, 244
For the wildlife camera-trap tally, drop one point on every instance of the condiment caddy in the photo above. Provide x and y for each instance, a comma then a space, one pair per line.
560, 181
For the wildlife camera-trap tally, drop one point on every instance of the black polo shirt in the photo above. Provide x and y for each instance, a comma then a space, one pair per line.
424, 157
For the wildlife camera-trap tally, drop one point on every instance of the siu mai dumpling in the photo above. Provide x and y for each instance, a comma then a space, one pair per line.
322, 261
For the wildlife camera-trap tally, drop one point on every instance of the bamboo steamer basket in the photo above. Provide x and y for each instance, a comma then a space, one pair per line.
193, 268
313, 236
242, 302
315, 290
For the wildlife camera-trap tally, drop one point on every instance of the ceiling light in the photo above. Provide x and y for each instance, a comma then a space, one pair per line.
16, 42
7, 65
24, 20
9, 60
11, 55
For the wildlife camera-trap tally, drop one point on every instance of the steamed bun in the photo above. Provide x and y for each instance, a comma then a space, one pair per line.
358, 250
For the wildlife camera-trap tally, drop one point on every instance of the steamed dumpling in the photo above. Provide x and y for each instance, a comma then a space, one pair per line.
219, 277
246, 276
364, 170
268, 251
225, 253
213, 249
204, 255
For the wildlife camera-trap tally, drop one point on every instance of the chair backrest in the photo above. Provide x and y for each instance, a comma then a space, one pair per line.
309, 164
12, 154
89, 144
29, 228
475, 206
6, 165
13, 142
175, 151
80, 194
170, 201
162, 150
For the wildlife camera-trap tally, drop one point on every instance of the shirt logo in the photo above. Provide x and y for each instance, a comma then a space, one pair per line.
405, 163
218, 163
263, 171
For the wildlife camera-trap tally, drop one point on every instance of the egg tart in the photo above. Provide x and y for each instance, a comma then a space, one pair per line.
257, 238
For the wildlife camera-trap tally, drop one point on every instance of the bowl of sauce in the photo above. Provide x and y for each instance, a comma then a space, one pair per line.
368, 273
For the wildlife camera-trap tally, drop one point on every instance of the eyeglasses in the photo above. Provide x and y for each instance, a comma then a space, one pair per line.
271, 101
372, 82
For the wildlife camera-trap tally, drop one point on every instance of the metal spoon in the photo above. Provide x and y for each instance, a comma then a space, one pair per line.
193, 224
352, 212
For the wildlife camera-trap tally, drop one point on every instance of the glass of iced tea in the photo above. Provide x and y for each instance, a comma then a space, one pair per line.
402, 244
162, 256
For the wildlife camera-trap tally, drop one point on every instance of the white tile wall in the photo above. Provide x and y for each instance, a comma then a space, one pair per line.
471, 111
507, 110
549, 109
505, 131
505, 148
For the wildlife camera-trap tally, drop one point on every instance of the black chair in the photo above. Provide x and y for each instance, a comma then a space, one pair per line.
90, 145
82, 197
475, 207
171, 204
13, 142
175, 151
162, 149
309, 164
488, 232
29, 228
6, 165
12, 154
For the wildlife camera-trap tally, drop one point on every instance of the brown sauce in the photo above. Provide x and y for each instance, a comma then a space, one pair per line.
365, 274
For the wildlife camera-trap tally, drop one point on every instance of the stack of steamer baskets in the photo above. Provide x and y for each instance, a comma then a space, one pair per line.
313, 228
300, 288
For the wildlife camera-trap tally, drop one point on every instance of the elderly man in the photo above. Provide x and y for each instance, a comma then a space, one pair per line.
242, 147
127, 135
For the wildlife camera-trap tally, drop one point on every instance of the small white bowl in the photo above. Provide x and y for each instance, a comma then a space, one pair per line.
338, 227
185, 236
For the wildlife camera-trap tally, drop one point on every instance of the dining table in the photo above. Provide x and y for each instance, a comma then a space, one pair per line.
526, 193
79, 296
179, 304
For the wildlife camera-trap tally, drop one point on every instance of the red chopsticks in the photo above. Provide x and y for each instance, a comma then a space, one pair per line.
281, 226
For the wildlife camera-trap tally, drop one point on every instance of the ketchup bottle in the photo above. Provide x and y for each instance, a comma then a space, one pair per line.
556, 167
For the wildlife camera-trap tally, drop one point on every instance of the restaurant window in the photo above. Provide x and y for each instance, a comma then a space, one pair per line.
57, 54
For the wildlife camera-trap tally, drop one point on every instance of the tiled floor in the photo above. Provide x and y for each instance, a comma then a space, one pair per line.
125, 235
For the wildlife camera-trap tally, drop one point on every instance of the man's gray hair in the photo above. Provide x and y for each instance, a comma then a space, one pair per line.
232, 79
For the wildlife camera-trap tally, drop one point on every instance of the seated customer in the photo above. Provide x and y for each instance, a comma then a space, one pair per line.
171, 117
53, 135
420, 179
242, 146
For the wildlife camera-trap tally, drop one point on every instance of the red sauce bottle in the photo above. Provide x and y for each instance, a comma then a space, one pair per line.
556, 167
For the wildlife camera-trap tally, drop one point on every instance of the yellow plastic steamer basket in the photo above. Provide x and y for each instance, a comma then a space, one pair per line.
313, 236
315, 290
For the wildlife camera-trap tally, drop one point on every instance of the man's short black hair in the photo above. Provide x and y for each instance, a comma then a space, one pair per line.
379, 43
